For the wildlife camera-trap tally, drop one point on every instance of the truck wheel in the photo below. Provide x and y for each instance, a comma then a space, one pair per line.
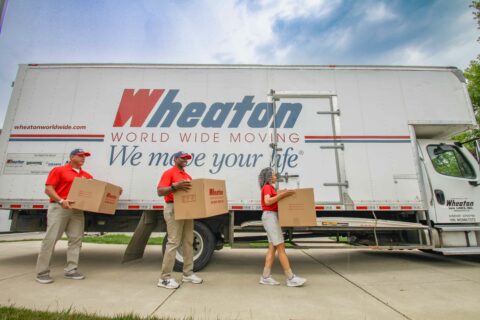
203, 247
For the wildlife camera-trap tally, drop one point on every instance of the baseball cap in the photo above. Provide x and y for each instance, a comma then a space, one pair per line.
181, 154
80, 152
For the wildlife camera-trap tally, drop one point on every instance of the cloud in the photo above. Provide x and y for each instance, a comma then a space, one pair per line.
409, 55
452, 42
379, 12
239, 32
294, 9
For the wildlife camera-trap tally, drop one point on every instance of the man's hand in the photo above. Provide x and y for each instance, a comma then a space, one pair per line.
182, 185
66, 204
179, 185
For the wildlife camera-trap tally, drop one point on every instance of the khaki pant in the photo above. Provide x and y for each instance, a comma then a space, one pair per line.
60, 220
180, 233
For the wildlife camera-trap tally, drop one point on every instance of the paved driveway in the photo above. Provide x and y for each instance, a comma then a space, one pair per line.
342, 284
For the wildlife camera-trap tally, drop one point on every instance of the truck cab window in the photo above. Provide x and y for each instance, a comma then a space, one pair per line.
449, 161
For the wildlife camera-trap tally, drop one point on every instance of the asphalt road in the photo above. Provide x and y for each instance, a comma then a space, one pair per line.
342, 284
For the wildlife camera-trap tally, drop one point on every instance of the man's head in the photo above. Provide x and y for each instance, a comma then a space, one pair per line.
181, 158
77, 157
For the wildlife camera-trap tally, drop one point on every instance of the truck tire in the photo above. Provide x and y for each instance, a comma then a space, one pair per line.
203, 247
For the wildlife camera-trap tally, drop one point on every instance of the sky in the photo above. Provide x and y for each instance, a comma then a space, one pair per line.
323, 32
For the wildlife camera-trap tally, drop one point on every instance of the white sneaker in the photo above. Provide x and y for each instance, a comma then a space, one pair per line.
168, 283
268, 280
193, 278
296, 281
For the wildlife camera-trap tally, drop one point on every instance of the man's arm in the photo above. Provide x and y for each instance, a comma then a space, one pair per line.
52, 194
180, 185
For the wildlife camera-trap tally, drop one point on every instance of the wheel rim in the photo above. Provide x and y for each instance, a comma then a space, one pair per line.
198, 246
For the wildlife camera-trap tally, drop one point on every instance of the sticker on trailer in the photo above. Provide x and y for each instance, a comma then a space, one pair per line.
32, 163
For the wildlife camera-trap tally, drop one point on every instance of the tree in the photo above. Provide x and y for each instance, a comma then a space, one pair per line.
476, 13
472, 74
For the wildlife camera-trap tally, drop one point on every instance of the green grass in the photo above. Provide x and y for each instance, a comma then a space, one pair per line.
21, 240
104, 239
12, 313
125, 239
341, 239
118, 239
264, 244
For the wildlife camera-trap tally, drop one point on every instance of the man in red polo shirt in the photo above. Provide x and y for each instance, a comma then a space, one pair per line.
180, 232
62, 218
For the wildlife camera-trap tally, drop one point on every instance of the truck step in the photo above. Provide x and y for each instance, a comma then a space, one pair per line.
457, 228
347, 223
458, 250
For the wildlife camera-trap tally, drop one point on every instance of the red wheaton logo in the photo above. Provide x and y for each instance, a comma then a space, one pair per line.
214, 192
111, 196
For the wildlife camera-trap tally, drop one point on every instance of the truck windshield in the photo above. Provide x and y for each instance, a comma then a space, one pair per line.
449, 161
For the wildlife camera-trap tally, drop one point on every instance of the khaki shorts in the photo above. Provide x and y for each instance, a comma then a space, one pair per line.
272, 226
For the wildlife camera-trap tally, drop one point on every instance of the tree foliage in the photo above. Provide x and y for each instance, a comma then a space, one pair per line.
472, 74
476, 13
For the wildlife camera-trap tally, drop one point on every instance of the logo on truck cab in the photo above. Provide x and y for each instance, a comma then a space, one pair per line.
136, 106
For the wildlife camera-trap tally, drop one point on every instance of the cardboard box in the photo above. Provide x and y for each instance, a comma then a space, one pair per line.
206, 198
298, 210
94, 195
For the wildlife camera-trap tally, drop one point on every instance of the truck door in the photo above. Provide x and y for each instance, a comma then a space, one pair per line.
454, 177
301, 161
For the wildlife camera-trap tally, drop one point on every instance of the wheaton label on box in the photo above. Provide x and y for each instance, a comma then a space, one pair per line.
206, 198
94, 195
298, 210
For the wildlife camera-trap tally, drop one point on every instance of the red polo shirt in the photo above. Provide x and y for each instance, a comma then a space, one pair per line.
61, 178
170, 176
268, 189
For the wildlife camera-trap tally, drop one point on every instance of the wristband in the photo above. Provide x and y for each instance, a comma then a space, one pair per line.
173, 188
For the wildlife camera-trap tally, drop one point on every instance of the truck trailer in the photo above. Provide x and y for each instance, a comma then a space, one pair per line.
373, 142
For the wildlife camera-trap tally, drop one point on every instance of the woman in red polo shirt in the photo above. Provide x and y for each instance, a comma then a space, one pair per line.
270, 197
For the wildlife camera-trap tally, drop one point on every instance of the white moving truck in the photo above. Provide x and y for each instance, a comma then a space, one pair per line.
371, 140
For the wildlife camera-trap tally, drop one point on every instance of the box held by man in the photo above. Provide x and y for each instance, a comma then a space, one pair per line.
206, 198
94, 196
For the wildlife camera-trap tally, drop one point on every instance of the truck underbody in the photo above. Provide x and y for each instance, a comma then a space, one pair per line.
405, 230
